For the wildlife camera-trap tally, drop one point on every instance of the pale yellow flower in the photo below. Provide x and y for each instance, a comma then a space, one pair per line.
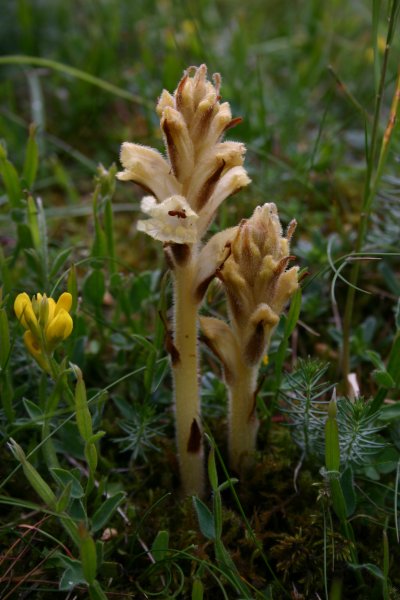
200, 169
171, 221
256, 280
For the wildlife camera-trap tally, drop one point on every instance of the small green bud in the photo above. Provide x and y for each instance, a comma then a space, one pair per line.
44, 311
91, 457
35, 479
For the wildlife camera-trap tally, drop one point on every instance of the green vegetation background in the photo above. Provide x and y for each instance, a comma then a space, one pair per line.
303, 75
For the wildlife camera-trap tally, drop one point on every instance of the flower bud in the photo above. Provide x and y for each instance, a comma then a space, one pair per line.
35, 479
43, 311
20, 303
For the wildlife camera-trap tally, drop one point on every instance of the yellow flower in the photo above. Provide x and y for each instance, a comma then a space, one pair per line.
59, 328
47, 323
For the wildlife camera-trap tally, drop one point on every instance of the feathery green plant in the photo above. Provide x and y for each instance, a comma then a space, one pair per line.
306, 397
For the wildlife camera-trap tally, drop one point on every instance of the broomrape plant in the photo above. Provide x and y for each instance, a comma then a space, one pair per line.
187, 187
257, 287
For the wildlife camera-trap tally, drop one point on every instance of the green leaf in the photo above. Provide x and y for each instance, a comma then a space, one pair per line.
375, 358
390, 277
83, 416
394, 360
104, 513
159, 548
293, 314
290, 322
99, 249
91, 456
227, 484
96, 591
372, 473
141, 290
33, 410
212, 470
383, 378
390, 412
338, 500
77, 511
88, 555
347, 484
31, 158
109, 230
4, 339
332, 448
205, 518
387, 460
373, 569
64, 478
64, 498
397, 315
332, 461
72, 576
59, 261
94, 287
72, 287
24, 235
40, 486
197, 590
33, 222
10, 179
96, 436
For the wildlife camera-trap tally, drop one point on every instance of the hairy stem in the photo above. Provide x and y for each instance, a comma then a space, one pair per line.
243, 422
185, 371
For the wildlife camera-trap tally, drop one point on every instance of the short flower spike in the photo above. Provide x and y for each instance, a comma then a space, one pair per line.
258, 286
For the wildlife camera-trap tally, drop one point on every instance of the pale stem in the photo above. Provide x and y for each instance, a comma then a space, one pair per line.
243, 422
185, 370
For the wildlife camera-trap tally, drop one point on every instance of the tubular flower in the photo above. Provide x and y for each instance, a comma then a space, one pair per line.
199, 169
47, 323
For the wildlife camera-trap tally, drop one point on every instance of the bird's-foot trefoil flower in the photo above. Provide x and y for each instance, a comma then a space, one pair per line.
47, 324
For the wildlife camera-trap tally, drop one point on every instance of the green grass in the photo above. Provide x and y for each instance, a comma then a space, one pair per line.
319, 514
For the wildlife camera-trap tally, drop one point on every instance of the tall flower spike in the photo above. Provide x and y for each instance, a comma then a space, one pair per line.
258, 286
186, 188
199, 167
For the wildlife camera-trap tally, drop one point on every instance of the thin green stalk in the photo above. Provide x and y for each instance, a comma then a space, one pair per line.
23, 60
373, 176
